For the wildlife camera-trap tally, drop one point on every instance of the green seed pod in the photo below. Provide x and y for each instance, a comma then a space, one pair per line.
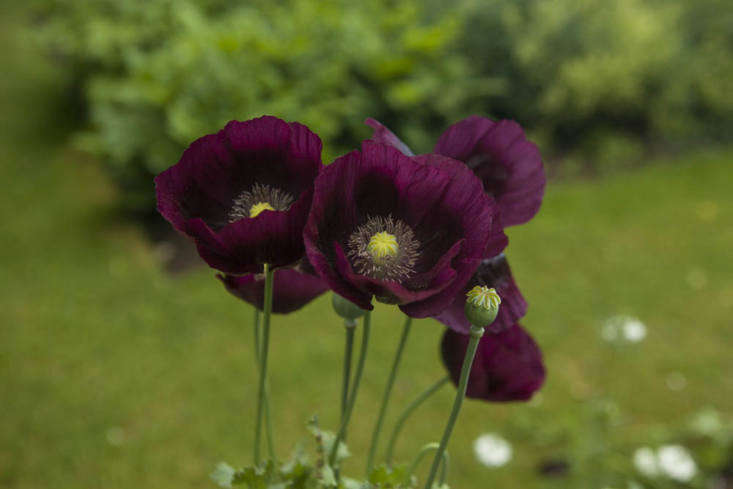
482, 306
345, 308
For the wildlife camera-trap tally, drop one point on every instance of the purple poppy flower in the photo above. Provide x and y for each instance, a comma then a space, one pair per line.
243, 194
293, 288
495, 273
509, 166
410, 231
508, 365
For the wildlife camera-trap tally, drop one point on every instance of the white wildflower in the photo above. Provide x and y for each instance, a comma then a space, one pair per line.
645, 461
623, 328
676, 463
492, 450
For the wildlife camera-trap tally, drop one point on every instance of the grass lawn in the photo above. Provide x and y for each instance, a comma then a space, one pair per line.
115, 374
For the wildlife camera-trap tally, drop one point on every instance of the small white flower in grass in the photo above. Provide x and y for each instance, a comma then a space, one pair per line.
645, 461
623, 328
676, 463
634, 330
492, 450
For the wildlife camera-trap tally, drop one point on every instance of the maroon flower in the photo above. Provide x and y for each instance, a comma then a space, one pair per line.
508, 365
509, 166
495, 273
410, 231
243, 194
293, 288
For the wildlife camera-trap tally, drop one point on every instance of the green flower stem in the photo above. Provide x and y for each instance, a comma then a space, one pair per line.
418, 458
408, 411
268, 419
386, 395
269, 279
366, 325
349, 326
476, 334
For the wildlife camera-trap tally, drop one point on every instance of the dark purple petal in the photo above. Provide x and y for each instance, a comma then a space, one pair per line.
509, 166
385, 136
439, 199
494, 272
193, 188
507, 367
197, 194
292, 289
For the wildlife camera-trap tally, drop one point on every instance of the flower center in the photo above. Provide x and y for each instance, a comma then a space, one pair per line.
255, 210
252, 202
384, 248
483, 297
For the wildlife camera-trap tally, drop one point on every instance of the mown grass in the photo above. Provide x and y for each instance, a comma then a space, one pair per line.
115, 374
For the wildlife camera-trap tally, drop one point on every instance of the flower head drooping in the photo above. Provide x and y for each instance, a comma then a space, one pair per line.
408, 231
482, 305
507, 367
293, 288
243, 194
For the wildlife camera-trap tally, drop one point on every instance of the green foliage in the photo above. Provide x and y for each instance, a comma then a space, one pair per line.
162, 73
303, 471
614, 71
582, 76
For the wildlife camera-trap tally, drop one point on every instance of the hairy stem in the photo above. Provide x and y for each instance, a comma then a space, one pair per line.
349, 327
366, 326
268, 419
476, 334
387, 394
262, 394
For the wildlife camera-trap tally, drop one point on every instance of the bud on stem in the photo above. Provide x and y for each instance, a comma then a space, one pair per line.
482, 306
346, 309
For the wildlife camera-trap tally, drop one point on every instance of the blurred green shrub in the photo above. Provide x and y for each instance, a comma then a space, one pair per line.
160, 73
596, 81
598, 75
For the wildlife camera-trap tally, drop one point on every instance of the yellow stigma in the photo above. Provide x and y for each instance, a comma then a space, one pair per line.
483, 297
382, 246
255, 210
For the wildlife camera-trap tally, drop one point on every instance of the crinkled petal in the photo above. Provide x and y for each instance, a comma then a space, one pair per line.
197, 194
509, 166
443, 204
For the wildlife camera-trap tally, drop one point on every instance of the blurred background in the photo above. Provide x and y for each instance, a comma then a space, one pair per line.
124, 363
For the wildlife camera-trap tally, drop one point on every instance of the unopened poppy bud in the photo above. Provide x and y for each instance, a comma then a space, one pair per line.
345, 308
482, 305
